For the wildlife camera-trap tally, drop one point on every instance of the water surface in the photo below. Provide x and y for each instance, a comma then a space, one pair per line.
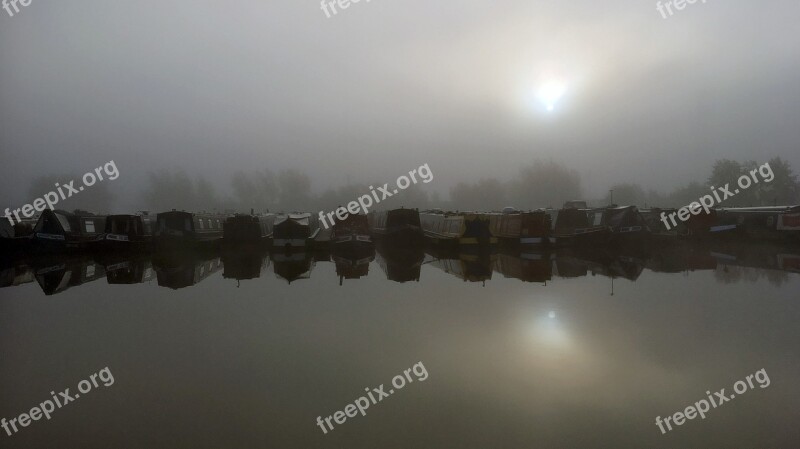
521, 350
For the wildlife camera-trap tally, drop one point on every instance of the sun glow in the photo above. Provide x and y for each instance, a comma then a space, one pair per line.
550, 92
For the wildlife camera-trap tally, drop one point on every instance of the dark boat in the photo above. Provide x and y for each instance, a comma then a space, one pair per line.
400, 226
521, 228
295, 230
179, 229
243, 229
711, 226
59, 230
350, 237
128, 232
459, 228
781, 223
571, 226
624, 223
654, 220
10, 239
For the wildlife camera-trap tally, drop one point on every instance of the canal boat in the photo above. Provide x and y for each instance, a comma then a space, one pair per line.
570, 226
296, 230
58, 231
242, 229
523, 228
467, 229
398, 226
625, 224
778, 223
186, 230
129, 232
351, 237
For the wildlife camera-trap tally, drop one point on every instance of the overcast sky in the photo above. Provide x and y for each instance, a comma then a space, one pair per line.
386, 86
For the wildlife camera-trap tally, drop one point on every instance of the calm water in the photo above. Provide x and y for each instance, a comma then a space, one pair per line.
539, 350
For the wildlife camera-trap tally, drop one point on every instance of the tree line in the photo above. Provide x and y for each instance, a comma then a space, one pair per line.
539, 184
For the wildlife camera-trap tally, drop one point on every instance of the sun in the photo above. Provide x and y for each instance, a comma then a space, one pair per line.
550, 92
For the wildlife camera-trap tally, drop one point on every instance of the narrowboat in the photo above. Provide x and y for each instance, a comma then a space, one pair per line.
571, 226
523, 228
764, 223
654, 220
248, 229
130, 232
464, 228
350, 237
59, 230
711, 225
624, 223
400, 226
10, 239
295, 230
180, 229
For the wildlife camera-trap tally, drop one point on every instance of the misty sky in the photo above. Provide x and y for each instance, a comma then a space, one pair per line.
383, 87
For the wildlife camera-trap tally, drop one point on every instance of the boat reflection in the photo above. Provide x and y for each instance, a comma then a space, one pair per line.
351, 267
245, 263
59, 273
181, 270
293, 265
467, 266
729, 263
527, 266
13, 275
400, 263
130, 271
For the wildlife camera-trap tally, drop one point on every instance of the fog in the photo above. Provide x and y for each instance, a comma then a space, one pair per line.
214, 90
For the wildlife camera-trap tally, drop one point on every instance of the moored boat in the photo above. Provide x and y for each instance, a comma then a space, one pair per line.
764, 223
351, 236
248, 229
657, 222
624, 223
400, 226
524, 228
571, 226
180, 229
128, 232
59, 230
295, 230
10, 240
460, 228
